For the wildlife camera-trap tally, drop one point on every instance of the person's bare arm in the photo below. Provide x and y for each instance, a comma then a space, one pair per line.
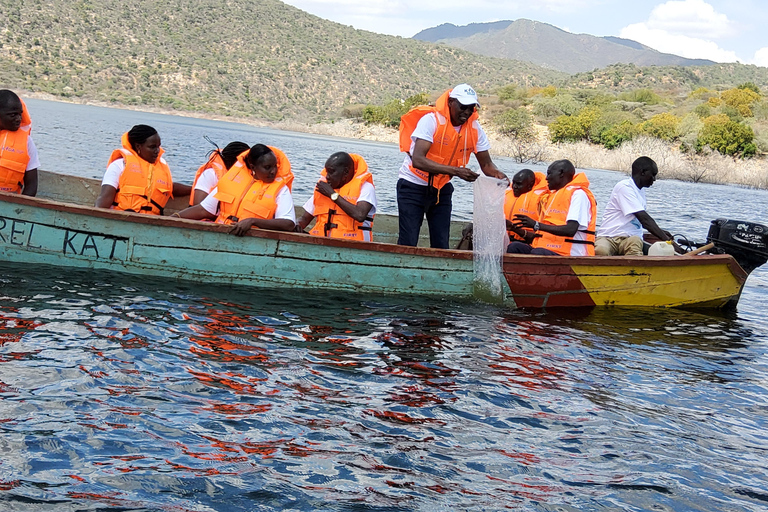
196, 212
570, 228
244, 225
358, 211
106, 197
488, 167
30, 183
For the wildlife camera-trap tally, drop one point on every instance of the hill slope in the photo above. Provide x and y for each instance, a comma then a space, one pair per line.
549, 46
246, 57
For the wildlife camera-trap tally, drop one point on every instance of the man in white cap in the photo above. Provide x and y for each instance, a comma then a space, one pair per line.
438, 142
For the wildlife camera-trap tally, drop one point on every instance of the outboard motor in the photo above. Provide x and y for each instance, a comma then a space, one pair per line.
747, 242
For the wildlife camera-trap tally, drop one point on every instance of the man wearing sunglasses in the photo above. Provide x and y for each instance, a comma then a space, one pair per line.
442, 139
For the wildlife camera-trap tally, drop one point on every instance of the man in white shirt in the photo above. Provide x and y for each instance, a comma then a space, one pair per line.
621, 232
441, 144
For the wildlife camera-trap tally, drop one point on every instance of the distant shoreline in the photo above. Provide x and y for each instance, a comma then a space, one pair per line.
711, 168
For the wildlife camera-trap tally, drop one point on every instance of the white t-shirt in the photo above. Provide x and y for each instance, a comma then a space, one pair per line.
207, 181
34, 159
115, 169
425, 130
579, 210
619, 219
284, 200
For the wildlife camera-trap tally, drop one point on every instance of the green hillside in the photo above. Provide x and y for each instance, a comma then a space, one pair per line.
259, 58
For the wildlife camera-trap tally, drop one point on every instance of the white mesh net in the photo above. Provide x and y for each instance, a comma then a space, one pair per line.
489, 237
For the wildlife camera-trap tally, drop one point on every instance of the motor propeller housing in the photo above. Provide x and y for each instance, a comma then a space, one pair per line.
747, 242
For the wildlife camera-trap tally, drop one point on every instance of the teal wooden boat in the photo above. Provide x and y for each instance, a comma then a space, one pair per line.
60, 227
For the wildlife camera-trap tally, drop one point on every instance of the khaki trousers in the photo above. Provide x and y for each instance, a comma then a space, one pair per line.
619, 246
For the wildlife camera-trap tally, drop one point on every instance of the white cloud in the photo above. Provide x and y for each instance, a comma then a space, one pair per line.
761, 57
687, 28
684, 46
692, 18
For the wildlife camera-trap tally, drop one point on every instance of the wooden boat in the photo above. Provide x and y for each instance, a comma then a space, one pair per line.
60, 227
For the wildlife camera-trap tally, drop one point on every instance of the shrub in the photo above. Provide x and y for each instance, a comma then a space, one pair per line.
741, 100
646, 96
516, 123
617, 134
390, 114
574, 128
727, 137
662, 126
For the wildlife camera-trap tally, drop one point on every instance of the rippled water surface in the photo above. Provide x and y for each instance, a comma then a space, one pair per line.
122, 394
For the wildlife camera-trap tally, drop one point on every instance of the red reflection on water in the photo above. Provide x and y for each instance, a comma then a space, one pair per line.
12, 329
402, 417
229, 380
8, 485
527, 491
524, 458
235, 410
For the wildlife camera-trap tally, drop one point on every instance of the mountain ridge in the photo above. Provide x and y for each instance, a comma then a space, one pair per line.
550, 46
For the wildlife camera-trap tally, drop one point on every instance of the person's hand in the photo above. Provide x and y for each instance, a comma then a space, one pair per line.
465, 174
495, 173
324, 188
241, 227
523, 221
515, 229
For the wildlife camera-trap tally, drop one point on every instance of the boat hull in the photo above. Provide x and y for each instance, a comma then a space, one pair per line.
712, 281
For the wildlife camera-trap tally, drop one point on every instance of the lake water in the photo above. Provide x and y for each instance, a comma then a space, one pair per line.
123, 394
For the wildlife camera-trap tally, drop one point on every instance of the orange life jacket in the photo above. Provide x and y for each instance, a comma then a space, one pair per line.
241, 196
448, 147
216, 163
13, 154
331, 220
143, 187
555, 205
525, 204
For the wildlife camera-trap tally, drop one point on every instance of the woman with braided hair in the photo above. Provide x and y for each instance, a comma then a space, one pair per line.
138, 178
208, 175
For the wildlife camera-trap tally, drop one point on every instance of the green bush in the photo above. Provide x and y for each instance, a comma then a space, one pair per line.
390, 114
516, 123
727, 137
618, 134
663, 126
574, 128
646, 96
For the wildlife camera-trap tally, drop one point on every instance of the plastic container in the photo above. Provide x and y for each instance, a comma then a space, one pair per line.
662, 249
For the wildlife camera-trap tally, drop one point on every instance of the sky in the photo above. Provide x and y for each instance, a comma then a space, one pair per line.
719, 30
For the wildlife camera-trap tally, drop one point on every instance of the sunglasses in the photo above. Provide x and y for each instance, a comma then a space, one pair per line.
471, 108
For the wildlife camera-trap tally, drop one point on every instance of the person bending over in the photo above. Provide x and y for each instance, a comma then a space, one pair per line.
438, 143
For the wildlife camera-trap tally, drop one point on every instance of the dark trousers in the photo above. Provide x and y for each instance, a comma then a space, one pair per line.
415, 201
523, 248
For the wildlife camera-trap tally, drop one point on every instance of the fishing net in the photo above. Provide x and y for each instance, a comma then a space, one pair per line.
489, 237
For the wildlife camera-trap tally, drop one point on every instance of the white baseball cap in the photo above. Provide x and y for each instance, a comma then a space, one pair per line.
465, 94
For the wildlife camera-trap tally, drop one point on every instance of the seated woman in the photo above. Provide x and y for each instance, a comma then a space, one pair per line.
208, 175
138, 178
256, 191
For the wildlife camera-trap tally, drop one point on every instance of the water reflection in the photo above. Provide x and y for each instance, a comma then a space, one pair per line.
117, 394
